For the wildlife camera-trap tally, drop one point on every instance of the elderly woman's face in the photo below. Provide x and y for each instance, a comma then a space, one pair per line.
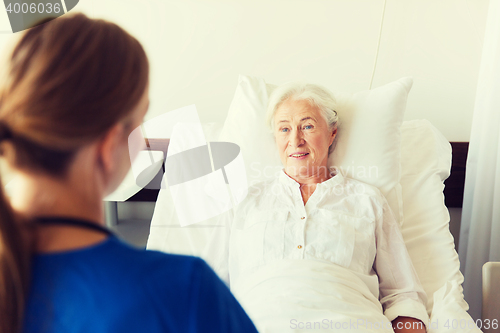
303, 138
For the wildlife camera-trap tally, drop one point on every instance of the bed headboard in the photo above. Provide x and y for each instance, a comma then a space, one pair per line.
454, 185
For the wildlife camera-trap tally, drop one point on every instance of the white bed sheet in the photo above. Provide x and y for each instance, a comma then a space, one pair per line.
426, 161
309, 295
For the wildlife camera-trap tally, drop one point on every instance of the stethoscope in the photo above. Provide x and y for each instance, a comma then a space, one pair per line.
73, 222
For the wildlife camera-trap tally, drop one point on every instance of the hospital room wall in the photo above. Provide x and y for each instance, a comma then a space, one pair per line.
197, 48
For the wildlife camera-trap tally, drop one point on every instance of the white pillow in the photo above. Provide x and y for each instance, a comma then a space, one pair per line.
368, 143
425, 164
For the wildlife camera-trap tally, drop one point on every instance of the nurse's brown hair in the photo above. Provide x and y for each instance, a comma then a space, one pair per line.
64, 84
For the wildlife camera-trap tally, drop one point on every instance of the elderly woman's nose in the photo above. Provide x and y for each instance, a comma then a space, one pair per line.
296, 138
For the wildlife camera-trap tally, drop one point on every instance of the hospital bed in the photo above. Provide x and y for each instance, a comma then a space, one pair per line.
413, 160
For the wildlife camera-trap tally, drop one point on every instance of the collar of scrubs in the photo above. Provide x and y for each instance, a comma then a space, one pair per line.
290, 182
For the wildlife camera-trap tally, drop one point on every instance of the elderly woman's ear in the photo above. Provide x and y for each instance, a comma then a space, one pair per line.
334, 134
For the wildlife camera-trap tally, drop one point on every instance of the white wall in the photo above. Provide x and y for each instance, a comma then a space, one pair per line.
439, 43
197, 48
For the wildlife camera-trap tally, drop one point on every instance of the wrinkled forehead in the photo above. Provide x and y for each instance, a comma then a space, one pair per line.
295, 111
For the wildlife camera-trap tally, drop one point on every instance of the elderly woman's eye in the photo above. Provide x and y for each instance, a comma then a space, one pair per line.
308, 127
284, 129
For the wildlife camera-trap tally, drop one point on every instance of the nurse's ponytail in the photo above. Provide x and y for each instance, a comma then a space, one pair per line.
64, 84
14, 268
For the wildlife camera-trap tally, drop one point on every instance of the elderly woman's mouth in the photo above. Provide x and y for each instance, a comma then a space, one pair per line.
298, 155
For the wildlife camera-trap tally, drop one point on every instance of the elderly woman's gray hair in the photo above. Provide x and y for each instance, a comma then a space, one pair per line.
316, 96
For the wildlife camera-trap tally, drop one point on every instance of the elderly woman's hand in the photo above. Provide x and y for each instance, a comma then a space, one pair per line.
408, 325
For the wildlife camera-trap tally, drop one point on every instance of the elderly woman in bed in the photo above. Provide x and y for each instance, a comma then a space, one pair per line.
310, 213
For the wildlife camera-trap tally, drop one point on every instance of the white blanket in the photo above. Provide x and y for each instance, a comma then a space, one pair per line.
310, 296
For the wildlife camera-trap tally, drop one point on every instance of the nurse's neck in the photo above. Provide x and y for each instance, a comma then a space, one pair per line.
44, 196
77, 193
40, 196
